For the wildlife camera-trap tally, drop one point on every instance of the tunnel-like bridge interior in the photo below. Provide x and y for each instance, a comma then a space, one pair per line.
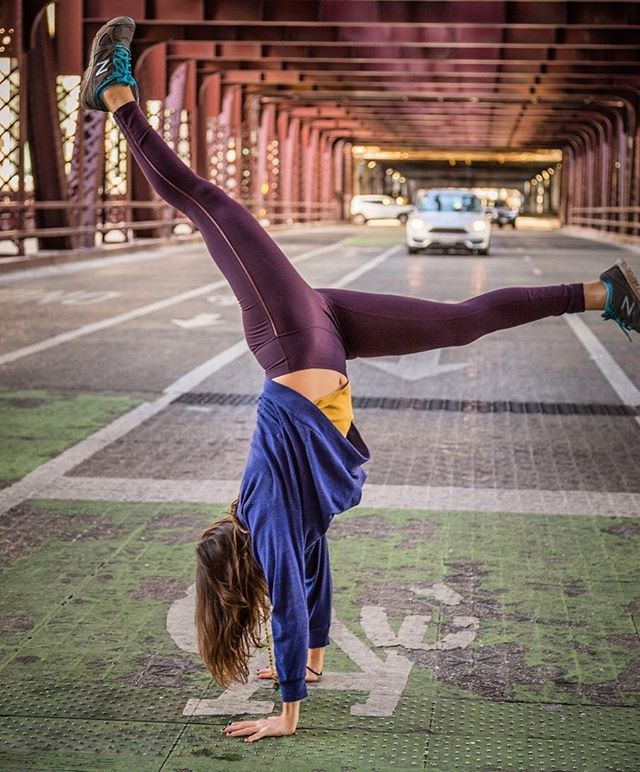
295, 107
485, 599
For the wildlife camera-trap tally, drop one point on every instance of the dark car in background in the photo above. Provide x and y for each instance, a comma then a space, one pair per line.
502, 214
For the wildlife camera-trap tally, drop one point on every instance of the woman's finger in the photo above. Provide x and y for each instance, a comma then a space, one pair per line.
244, 732
258, 735
238, 725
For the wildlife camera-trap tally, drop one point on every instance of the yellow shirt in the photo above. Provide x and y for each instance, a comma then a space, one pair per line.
338, 408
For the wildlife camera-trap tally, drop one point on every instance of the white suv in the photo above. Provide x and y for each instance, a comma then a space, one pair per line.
378, 207
449, 218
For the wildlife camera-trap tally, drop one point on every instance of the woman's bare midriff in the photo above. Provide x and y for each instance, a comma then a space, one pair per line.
314, 382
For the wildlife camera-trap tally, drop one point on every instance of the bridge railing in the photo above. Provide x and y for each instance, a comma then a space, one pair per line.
623, 220
90, 225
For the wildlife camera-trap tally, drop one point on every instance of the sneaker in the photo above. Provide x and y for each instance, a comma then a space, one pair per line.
623, 297
109, 63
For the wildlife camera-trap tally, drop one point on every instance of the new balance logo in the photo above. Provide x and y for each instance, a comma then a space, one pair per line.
627, 305
102, 67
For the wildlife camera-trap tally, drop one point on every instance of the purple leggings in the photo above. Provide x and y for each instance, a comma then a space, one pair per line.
291, 326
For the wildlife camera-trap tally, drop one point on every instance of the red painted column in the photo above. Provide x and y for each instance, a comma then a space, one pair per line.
290, 170
325, 177
208, 110
306, 170
264, 181
338, 177
45, 142
604, 146
312, 173
151, 74
590, 173
349, 180
284, 176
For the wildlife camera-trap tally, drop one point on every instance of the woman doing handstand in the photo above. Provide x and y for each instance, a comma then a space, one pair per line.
306, 456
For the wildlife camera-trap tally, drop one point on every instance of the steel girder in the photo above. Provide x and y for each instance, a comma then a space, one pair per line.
296, 85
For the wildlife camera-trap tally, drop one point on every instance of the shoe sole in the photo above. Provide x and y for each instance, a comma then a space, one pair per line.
629, 276
86, 78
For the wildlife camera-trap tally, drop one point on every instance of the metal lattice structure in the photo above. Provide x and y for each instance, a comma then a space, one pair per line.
68, 92
10, 161
115, 166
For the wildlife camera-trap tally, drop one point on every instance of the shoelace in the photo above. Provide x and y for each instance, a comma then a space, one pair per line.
609, 313
122, 64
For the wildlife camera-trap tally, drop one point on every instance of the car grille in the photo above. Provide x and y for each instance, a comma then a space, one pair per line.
448, 230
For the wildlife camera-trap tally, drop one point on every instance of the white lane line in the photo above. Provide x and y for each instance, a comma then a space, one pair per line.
135, 313
613, 373
92, 264
523, 501
95, 263
618, 380
358, 272
103, 324
39, 481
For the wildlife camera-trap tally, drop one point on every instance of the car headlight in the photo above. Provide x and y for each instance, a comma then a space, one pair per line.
418, 225
478, 225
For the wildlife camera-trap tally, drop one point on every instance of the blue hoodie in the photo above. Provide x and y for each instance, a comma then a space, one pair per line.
300, 473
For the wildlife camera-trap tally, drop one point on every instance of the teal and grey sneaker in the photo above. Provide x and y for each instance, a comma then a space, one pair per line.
623, 297
109, 62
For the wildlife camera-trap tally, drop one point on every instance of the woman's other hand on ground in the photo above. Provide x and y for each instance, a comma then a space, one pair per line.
274, 726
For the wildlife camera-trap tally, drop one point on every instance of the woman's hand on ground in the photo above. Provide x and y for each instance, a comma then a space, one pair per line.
274, 726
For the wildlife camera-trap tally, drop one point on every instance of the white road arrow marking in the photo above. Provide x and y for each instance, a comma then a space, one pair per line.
376, 625
440, 592
235, 699
383, 679
222, 300
199, 320
415, 366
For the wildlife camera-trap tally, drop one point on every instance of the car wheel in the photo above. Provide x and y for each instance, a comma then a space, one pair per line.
403, 218
513, 224
412, 250
359, 219
486, 251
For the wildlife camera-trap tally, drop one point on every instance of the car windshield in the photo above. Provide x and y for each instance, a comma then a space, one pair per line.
449, 202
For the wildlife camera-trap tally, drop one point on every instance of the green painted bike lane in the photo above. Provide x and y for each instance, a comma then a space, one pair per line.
517, 635
36, 425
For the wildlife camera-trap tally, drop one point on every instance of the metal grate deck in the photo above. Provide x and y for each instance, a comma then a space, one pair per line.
448, 405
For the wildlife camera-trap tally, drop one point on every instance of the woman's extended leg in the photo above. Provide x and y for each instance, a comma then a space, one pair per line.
274, 298
287, 324
375, 325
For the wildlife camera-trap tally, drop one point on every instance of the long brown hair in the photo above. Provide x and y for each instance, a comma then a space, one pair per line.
232, 599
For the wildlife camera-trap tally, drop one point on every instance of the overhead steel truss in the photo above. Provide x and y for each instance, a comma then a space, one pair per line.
269, 98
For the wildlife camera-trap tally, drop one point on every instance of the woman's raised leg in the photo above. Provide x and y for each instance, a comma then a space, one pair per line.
375, 325
250, 260
275, 301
